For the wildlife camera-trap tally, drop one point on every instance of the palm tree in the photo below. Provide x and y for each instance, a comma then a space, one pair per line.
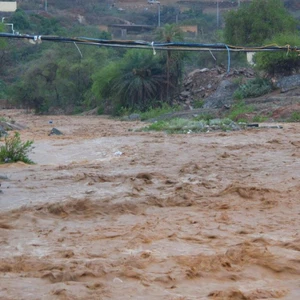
140, 81
171, 33
134, 82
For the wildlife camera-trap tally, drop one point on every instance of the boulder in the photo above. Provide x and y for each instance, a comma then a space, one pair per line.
11, 126
55, 131
210, 85
2, 131
134, 117
288, 83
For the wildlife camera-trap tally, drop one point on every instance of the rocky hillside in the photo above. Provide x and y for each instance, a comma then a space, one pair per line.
211, 91
92, 10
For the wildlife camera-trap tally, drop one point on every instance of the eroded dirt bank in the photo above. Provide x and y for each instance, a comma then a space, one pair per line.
201, 216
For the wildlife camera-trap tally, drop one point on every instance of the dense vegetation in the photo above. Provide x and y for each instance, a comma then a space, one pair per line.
54, 77
265, 22
253, 24
284, 63
63, 78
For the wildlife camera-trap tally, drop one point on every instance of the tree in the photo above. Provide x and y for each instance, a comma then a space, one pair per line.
20, 20
283, 62
133, 82
60, 78
260, 20
45, 26
171, 33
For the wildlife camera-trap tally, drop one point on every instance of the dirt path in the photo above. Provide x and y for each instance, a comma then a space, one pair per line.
109, 213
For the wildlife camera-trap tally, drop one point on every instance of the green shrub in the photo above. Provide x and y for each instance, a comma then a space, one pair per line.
198, 103
170, 126
204, 116
15, 150
100, 110
176, 125
3, 90
280, 62
238, 110
252, 24
295, 117
187, 126
259, 118
253, 88
155, 112
238, 94
3, 119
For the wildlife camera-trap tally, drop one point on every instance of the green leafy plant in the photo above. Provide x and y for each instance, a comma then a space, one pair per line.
239, 80
3, 90
131, 82
158, 111
253, 88
173, 59
187, 126
259, 118
15, 150
198, 103
3, 119
239, 109
281, 62
295, 117
20, 19
204, 116
252, 24
238, 94
176, 125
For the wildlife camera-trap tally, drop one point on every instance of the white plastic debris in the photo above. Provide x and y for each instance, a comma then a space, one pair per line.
118, 153
117, 280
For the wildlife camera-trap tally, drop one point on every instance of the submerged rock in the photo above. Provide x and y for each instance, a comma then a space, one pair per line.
55, 131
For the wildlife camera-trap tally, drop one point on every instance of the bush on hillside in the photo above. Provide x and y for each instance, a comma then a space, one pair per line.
283, 62
253, 88
257, 21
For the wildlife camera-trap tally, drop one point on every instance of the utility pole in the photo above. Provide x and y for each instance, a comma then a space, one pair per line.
177, 14
46, 5
158, 7
218, 14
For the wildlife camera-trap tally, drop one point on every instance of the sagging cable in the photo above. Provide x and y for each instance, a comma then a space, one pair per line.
78, 50
212, 55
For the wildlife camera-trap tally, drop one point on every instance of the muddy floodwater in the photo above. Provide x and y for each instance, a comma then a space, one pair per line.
108, 212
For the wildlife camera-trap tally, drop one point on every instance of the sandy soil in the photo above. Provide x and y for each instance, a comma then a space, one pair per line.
110, 213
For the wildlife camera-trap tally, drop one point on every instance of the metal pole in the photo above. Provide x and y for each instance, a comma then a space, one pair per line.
158, 14
46, 5
218, 14
239, 3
